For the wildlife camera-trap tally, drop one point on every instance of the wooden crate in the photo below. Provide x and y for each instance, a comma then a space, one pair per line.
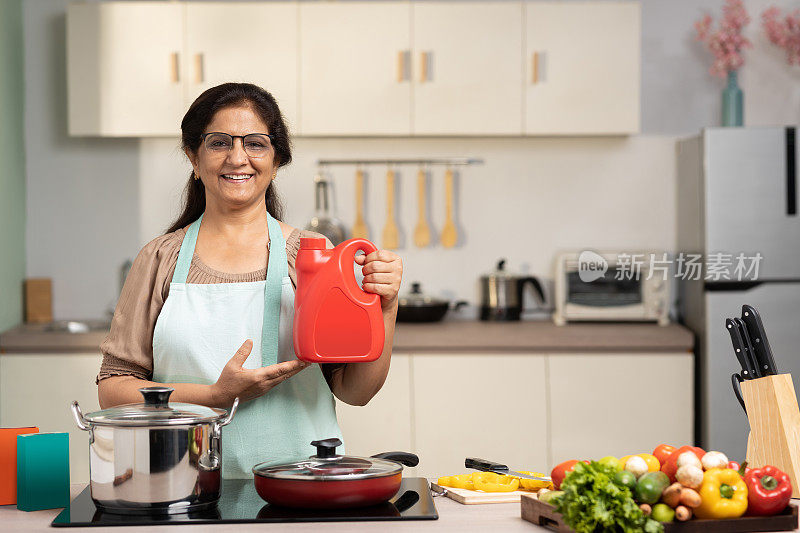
545, 515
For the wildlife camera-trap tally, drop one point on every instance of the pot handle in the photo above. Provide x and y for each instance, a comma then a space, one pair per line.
227, 420
404, 458
537, 287
79, 418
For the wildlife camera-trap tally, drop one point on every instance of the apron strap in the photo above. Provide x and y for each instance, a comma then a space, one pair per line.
186, 252
277, 269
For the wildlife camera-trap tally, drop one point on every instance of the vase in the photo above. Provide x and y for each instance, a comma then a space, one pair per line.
732, 102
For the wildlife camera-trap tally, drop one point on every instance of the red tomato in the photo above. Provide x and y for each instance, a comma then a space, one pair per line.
662, 452
671, 465
560, 472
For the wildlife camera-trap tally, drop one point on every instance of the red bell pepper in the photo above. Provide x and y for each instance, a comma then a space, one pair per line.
768, 490
671, 466
733, 465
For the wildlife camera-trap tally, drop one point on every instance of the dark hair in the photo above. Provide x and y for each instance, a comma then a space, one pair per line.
200, 114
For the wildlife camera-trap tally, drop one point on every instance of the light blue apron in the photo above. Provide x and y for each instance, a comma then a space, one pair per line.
200, 328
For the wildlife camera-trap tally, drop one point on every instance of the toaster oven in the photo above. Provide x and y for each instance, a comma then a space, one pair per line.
611, 286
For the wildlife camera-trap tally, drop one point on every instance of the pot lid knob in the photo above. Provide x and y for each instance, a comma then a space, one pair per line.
326, 448
157, 396
501, 265
416, 288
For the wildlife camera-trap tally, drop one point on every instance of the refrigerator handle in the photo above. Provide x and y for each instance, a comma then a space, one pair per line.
791, 172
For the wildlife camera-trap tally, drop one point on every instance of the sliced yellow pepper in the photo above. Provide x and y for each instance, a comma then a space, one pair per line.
533, 484
723, 494
464, 481
491, 482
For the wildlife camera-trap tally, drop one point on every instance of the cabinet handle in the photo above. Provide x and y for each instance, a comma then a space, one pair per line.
424, 67
535, 68
402, 66
175, 67
199, 65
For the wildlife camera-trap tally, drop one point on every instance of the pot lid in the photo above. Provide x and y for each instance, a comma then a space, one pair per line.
327, 465
155, 411
416, 298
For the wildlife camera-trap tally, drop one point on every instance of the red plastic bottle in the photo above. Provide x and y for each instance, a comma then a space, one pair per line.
335, 321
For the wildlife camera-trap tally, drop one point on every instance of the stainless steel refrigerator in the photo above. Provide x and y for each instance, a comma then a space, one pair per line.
737, 194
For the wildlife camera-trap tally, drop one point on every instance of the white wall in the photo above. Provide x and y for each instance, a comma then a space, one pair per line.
92, 202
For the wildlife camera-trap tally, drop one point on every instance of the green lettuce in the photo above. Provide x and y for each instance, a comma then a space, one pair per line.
593, 503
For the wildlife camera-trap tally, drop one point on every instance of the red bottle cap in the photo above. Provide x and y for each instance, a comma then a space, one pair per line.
312, 243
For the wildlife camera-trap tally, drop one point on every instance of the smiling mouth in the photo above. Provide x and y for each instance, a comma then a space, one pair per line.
236, 178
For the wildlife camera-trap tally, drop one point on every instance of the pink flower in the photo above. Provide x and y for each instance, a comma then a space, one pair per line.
727, 42
784, 34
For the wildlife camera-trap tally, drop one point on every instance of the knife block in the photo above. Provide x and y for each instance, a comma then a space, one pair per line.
774, 425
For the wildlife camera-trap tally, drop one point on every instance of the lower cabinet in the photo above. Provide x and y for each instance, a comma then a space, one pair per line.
619, 404
527, 410
37, 390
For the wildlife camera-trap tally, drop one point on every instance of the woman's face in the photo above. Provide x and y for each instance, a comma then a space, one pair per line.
232, 178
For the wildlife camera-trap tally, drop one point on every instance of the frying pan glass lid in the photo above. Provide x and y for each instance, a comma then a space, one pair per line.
327, 465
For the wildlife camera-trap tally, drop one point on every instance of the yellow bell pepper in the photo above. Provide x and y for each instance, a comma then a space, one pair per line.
723, 494
652, 463
533, 484
464, 481
623, 460
491, 482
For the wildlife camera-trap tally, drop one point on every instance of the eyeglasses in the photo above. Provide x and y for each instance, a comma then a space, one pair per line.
255, 144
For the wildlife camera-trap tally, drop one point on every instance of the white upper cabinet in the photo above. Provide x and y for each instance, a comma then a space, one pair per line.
243, 42
354, 74
361, 68
582, 68
124, 68
467, 68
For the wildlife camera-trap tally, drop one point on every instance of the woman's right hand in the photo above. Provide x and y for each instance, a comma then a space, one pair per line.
247, 384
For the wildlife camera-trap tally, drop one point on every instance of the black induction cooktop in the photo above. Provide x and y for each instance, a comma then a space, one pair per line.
239, 502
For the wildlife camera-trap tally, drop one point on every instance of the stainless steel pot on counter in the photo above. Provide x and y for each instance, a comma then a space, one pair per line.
155, 457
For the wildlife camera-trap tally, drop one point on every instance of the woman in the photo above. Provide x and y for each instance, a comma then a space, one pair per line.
207, 308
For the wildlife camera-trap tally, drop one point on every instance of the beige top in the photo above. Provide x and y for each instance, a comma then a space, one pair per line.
128, 348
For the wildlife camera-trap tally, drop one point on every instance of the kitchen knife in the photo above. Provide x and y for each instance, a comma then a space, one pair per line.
736, 381
761, 350
739, 348
748, 348
489, 466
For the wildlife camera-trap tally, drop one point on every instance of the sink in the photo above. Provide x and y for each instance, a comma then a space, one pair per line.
78, 326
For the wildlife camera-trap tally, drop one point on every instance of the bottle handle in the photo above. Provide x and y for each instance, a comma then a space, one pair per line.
346, 260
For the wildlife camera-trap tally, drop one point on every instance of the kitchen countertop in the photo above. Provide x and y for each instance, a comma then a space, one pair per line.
452, 517
446, 336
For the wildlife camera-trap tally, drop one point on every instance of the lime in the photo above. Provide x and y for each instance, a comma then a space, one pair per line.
610, 460
663, 513
625, 478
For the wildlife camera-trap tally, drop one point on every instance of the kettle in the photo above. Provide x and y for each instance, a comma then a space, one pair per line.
501, 294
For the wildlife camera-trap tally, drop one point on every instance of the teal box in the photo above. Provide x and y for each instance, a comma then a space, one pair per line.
42, 471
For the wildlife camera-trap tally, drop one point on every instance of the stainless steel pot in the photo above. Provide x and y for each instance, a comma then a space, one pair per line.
501, 294
155, 457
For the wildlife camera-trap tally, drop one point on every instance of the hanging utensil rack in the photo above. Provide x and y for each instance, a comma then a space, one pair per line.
453, 161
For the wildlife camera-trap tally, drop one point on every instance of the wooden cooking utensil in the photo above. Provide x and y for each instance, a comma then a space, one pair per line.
390, 232
422, 233
449, 231
360, 230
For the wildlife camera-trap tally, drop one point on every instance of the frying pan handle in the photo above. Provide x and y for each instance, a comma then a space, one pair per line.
404, 458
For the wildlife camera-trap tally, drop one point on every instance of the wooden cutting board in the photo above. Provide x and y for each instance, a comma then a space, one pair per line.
471, 497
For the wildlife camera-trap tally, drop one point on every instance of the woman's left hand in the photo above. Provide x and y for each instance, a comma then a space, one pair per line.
383, 271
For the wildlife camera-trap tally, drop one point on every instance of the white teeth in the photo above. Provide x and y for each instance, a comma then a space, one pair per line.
237, 177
